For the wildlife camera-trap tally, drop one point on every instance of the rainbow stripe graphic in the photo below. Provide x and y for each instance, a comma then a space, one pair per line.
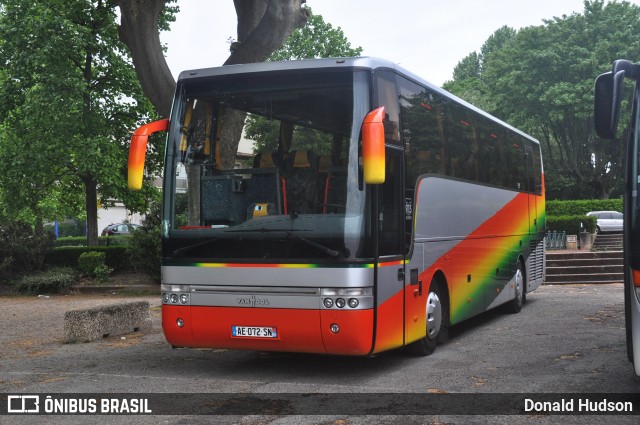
295, 265
484, 255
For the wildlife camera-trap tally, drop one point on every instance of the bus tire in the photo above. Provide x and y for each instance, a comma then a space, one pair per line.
437, 329
515, 305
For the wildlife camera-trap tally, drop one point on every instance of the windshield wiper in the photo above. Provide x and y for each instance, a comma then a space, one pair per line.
325, 249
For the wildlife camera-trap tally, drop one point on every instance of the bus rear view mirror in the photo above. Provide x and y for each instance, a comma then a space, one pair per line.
138, 151
373, 156
607, 103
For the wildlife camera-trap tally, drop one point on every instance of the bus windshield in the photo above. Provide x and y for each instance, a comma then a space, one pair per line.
265, 167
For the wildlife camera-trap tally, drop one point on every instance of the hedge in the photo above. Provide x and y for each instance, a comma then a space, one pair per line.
116, 257
51, 281
120, 240
582, 207
572, 224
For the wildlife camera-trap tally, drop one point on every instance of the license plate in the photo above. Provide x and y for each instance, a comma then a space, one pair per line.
254, 332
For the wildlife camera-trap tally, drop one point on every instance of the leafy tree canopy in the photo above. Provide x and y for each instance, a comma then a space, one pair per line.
70, 98
541, 79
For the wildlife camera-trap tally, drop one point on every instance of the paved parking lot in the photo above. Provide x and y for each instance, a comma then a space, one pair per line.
567, 339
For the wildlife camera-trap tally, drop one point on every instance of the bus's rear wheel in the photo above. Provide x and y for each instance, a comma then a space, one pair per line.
515, 305
437, 322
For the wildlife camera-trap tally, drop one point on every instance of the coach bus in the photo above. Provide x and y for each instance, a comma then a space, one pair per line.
607, 109
382, 211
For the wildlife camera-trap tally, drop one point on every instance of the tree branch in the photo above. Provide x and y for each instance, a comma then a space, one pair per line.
139, 31
263, 28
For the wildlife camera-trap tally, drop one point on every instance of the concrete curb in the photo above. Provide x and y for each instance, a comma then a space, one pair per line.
95, 323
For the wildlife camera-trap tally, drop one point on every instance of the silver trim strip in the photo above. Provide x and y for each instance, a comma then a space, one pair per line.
268, 276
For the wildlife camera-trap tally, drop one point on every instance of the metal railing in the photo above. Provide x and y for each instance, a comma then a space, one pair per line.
555, 240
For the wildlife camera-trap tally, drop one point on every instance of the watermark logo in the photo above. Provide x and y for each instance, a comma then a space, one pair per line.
79, 404
23, 404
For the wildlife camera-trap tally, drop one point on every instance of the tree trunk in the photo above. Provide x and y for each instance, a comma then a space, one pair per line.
139, 31
263, 26
91, 207
39, 225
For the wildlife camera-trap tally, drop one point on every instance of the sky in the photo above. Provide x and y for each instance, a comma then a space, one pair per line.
427, 37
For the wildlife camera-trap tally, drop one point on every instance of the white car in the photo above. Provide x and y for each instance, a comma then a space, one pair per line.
608, 221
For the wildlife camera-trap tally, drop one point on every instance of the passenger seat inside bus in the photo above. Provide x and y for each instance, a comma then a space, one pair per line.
301, 178
333, 179
272, 165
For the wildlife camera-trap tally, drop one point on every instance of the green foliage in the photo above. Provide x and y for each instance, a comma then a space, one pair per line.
540, 79
317, 39
570, 216
88, 261
21, 250
120, 240
572, 224
70, 241
69, 100
145, 249
468, 82
68, 228
102, 272
92, 263
50, 281
582, 207
116, 257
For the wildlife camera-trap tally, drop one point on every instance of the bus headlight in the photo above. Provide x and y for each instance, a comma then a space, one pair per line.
175, 294
360, 298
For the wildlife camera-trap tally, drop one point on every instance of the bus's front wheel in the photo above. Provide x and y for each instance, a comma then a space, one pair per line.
437, 322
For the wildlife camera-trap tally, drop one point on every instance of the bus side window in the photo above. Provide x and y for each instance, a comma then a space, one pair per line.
422, 130
388, 97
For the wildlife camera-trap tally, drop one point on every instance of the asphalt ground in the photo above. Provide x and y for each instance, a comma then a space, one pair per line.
568, 339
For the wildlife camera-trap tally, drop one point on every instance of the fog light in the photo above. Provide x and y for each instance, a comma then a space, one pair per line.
184, 298
328, 302
335, 328
340, 302
174, 298
353, 302
165, 298
180, 323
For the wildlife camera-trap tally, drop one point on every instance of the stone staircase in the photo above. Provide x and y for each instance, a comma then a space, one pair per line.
584, 267
607, 242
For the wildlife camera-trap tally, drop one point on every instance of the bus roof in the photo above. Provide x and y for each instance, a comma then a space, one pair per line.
370, 63
292, 65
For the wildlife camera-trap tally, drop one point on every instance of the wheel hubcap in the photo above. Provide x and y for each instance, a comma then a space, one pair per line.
434, 315
519, 286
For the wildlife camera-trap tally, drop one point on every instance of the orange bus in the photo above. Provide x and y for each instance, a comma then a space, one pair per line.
377, 210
